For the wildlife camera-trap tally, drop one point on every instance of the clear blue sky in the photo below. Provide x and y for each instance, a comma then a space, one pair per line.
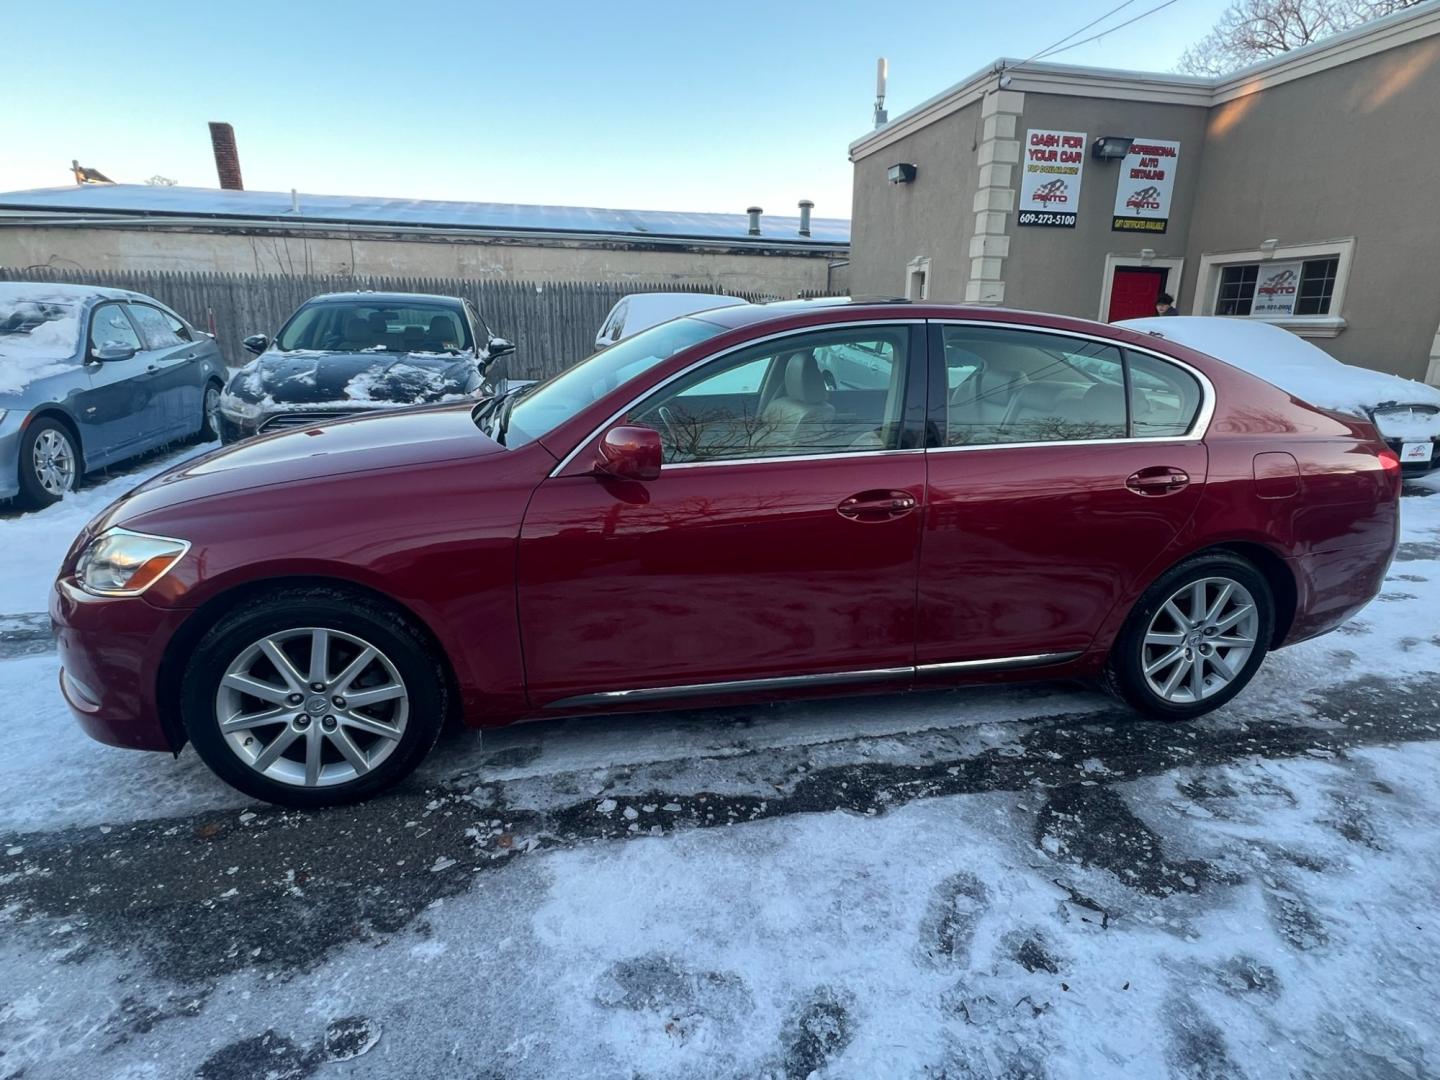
678, 105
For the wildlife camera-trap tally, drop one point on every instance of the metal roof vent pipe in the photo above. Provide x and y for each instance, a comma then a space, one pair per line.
754, 212
227, 157
805, 207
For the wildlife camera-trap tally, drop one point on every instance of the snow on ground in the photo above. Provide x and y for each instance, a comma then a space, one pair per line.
993, 882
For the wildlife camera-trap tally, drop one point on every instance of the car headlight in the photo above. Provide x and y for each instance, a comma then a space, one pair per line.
119, 562
238, 408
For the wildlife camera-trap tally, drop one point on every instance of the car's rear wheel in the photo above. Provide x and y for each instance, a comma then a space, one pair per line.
49, 463
1195, 639
313, 697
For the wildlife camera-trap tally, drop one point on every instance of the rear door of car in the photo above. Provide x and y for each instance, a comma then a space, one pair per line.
779, 542
173, 362
1061, 468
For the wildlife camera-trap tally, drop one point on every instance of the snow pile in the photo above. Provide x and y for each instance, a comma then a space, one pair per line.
39, 335
396, 382
1293, 364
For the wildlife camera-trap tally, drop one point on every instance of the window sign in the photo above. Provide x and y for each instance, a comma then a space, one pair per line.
1147, 180
1050, 179
1276, 287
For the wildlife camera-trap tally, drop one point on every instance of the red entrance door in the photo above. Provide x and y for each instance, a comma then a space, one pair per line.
1133, 290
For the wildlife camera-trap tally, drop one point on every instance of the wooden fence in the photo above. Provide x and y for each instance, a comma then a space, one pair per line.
552, 324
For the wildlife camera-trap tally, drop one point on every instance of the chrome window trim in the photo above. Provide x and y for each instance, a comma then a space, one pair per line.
1198, 427
792, 682
565, 461
790, 457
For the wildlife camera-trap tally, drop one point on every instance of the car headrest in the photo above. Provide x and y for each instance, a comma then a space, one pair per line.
803, 381
357, 329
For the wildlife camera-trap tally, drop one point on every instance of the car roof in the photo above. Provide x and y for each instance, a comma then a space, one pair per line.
55, 291
383, 297
848, 308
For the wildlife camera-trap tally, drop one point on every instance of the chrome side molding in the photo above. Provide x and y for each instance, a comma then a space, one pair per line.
800, 682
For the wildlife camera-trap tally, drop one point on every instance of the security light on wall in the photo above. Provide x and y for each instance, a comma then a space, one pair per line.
1110, 147
902, 173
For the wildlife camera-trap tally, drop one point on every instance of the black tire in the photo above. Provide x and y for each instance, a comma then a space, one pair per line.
33, 493
335, 609
209, 425
1124, 674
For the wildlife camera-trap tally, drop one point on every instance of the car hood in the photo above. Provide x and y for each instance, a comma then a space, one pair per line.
312, 378
404, 439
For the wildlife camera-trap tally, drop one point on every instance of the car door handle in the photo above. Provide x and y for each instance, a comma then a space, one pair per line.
876, 505
1157, 480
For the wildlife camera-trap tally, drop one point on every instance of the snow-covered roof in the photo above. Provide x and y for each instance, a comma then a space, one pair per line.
143, 200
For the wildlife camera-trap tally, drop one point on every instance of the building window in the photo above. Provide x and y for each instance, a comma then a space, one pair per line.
1314, 287
1317, 286
1237, 290
917, 279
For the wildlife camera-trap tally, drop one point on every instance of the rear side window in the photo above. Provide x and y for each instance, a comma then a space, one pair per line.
1016, 386
1163, 398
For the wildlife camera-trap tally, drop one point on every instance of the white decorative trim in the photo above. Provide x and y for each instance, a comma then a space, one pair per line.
1207, 282
1402, 28
997, 155
917, 267
1115, 262
1432, 373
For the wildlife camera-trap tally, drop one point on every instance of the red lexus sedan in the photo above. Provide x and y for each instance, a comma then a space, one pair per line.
752, 503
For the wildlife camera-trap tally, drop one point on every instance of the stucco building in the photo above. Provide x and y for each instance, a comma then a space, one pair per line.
1299, 191
128, 227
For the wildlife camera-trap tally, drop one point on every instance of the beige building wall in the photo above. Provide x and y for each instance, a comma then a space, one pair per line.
1064, 270
1352, 151
785, 275
932, 217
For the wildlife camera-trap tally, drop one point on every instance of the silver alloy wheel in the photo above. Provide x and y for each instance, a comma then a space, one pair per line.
1200, 640
312, 707
212, 409
53, 459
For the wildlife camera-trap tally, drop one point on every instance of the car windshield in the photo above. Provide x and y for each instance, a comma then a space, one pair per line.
560, 397
374, 326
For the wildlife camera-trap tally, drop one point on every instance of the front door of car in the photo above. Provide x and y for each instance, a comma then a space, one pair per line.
1052, 493
118, 412
780, 540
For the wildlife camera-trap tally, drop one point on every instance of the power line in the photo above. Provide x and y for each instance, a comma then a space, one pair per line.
1087, 26
1108, 30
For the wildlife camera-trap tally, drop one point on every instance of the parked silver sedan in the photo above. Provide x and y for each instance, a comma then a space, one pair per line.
92, 376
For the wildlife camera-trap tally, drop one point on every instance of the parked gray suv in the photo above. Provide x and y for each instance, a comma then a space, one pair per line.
92, 376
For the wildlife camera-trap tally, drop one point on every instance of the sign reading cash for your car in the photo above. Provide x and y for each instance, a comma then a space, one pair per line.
1050, 180
1147, 179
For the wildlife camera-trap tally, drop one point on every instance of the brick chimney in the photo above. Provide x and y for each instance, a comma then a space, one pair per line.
227, 158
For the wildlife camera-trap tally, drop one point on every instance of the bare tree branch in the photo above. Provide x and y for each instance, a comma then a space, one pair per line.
1254, 30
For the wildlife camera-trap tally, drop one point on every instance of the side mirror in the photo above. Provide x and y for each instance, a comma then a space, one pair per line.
630, 453
498, 347
109, 354
256, 343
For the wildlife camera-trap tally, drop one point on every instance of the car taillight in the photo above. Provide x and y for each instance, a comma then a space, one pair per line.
1389, 460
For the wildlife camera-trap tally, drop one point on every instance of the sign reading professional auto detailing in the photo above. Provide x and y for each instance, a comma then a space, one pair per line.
1050, 181
1276, 286
1147, 179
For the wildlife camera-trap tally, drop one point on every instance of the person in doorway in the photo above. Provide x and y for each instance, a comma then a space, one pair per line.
1165, 304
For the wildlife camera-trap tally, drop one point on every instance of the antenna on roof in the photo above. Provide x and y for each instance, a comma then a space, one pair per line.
882, 74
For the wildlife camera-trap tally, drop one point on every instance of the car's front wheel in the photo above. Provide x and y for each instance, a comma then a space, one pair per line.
210, 413
49, 463
1195, 639
313, 697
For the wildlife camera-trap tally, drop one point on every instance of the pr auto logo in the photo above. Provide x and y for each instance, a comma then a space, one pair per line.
1054, 191
1147, 198
1281, 284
